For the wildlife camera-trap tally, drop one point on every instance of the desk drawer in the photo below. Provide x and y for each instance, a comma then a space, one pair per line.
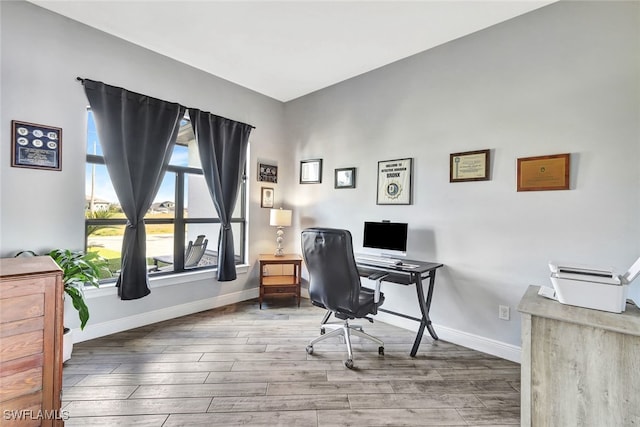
280, 290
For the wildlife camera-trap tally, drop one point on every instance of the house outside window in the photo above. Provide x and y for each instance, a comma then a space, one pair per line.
181, 211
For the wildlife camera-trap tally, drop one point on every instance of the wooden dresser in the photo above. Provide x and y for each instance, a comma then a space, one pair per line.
31, 310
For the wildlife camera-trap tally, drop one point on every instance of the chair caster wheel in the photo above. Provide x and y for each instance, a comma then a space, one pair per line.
322, 331
381, 351
348, 363
309, 349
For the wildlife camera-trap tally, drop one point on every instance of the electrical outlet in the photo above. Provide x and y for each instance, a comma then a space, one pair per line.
503, 312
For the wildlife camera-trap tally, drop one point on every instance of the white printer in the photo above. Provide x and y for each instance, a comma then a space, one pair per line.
592, 287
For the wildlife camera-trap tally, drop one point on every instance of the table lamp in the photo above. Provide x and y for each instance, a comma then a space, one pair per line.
280, 218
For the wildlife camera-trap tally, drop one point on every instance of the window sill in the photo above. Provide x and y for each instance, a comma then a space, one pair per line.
162, 281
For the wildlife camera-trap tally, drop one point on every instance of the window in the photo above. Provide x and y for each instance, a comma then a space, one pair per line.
182, 211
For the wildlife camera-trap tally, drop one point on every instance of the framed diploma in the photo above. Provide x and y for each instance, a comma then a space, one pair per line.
469, 166
35, 146
544, 173
394, 182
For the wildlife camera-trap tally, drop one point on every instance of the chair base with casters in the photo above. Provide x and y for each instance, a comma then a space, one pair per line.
346, 331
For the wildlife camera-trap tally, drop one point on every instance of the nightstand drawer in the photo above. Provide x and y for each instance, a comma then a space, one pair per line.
268, 290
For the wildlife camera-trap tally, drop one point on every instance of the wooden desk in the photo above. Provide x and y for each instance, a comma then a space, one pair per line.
286, 284
410, 273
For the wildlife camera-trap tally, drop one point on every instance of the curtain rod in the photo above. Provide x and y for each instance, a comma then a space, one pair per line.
81, 80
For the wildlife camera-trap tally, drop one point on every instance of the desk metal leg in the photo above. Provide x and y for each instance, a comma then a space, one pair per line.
432, 281
425, 305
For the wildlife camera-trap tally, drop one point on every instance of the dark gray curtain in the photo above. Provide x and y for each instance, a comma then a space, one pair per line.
137, 134
222, 144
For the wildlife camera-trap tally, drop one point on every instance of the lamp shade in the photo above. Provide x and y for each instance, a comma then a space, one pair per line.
280, 218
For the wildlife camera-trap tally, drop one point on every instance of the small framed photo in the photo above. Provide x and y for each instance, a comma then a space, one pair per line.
544, 173
267, 173
345, 178
36, 146
266, 197
311, 171
394, 182
469, 166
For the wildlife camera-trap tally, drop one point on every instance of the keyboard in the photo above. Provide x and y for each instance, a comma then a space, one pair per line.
376, 260
383, 261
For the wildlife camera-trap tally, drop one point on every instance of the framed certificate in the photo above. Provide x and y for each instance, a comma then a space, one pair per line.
35, 146
544, 173
469, 166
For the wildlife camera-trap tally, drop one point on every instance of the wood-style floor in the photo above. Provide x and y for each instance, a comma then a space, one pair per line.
239, 365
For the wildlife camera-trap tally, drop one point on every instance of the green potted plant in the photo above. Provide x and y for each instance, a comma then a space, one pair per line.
78, 270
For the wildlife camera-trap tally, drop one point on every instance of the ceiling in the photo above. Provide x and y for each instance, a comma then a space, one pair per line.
286, 49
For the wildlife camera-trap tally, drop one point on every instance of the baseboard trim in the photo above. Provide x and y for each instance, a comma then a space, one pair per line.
97, 330
464, 339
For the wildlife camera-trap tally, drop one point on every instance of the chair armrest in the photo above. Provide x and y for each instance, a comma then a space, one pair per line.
378, 278
377, 275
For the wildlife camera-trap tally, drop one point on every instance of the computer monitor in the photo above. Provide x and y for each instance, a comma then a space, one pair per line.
385, 238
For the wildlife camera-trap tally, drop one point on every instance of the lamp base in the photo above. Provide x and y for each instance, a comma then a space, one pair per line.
279, 239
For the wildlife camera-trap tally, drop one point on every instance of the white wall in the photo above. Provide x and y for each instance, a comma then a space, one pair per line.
42, 54
562, 79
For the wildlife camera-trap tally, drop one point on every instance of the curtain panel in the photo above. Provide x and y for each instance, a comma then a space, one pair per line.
137, 134
222, 144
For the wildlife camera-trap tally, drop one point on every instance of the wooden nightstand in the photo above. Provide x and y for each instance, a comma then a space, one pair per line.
288, 284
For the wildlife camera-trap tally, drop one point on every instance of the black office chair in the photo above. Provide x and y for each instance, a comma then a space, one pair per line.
334, 284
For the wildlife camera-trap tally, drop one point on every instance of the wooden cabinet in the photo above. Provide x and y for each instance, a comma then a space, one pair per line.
31, 310
285, 283
580, 367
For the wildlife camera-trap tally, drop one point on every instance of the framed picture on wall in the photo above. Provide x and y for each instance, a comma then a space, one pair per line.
345, 178
266, 197
311, 171
267, 173
36, 146
394, 182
